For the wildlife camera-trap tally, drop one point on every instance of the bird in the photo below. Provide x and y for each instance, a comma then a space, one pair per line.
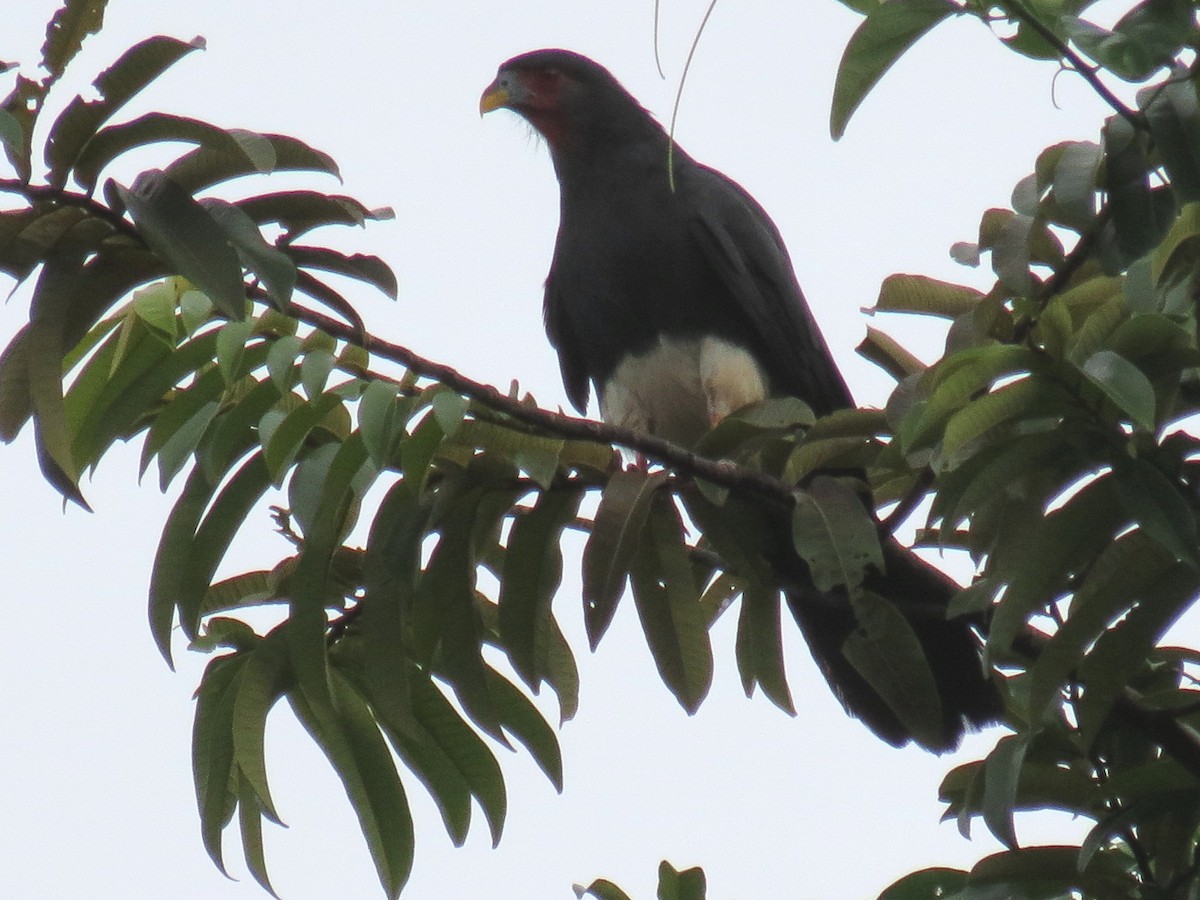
671, 294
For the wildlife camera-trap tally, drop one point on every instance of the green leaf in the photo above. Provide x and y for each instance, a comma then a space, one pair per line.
1115, 581
133, 71
927, 296
273, 267
531, 576
886, 652
469, 755
285, 442
616, 536
212, 749
988, 411
1173, 112
350, 739
250, 823
379, 421
1127, 181
1122, 650
668, 605
265, 678
22, 105
71, 24
314, 372
882, 38
298, 212
835, 535
209, 165
602, 889
446, 610
1156, 504
114, 140
688, 884
1002, 773
369, 269
521, 718
1125, 385
759, 646
184, 234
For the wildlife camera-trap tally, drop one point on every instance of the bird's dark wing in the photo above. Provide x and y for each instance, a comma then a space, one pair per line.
574, 369
744, 248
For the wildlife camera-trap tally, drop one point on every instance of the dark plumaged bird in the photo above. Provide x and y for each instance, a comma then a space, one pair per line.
672, 294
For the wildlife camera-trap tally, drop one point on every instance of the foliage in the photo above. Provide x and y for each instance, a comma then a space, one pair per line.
1055, 437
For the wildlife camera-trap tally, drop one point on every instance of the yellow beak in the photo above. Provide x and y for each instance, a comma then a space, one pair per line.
495, 97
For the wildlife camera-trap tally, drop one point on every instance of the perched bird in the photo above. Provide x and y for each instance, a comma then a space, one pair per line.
672, 294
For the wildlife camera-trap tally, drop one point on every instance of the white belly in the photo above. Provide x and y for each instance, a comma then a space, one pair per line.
681, 388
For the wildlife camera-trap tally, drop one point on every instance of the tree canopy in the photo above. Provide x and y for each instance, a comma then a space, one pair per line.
1054, 439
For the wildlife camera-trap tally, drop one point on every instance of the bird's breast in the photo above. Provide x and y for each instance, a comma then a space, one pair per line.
681, 387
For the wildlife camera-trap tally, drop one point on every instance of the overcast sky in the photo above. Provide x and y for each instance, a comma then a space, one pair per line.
95, 740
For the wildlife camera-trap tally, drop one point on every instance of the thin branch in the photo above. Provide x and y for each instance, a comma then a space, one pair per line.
1018, 11
47, 193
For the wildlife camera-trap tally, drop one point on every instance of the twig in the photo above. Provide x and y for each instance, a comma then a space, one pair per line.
1017, 10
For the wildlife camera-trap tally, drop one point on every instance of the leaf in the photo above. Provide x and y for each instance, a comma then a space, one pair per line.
835, 535
208, 165
1113, 583
759, 646
602, 889
1001, 775
1155, 503
668, 605
350, 739
522, 719
298, 212
273, 267
985, 413
1173, 112
1127, 182
887, 653
531, 576
927, 296
611, 547
369, 269
379, 421
881, 39
250, 822
133, 71
71, 24
1124, 384
186, 237
265, 677
469, 755
212, 749
673, 884
886, 352
110, 142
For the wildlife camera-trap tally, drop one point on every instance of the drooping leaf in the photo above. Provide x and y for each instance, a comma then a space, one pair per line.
759, 646
617, 532
185, 235
834, 534
668, 604
350, 739
209, 165
888, 31
1124, 384
532, 573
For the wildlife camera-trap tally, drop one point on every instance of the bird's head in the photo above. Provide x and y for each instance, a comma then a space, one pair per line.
570, 100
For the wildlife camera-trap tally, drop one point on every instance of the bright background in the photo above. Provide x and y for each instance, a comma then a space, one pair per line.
95, 740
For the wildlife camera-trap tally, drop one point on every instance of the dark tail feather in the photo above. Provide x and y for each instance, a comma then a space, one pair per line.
920, 592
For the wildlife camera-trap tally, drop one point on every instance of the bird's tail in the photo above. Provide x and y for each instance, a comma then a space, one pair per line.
921, 593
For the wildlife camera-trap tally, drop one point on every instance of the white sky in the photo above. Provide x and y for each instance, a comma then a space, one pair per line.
95, 741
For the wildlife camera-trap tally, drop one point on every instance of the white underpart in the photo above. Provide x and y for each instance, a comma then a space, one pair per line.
682, 387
